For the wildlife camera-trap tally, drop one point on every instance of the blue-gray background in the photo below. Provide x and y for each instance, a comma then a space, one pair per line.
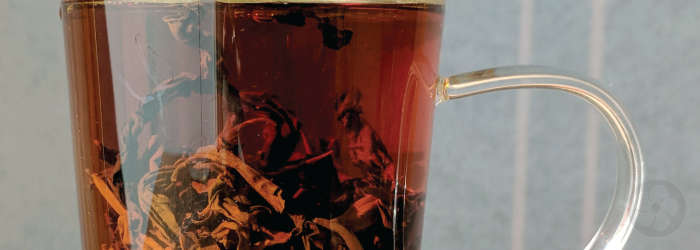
650, 61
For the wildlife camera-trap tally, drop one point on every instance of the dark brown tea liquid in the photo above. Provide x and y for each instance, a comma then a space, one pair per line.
220, 125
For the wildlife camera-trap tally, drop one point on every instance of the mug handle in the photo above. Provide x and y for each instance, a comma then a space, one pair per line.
622, 214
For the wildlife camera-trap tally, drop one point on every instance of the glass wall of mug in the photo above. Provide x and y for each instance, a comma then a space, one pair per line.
252, 124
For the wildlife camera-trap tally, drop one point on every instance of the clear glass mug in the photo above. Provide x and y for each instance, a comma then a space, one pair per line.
269, 124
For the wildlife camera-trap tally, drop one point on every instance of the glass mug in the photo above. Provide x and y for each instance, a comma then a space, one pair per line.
270, 124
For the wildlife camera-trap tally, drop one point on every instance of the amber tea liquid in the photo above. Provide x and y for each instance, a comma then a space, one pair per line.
225, 125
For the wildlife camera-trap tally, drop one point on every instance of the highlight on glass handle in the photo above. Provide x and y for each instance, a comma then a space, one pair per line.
622, 214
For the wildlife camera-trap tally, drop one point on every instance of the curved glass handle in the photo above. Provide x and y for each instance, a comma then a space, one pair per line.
619, 221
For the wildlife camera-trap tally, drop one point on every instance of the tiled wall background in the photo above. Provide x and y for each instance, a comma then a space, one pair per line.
644, 51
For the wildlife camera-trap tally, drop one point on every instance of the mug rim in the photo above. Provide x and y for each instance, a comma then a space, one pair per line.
440, 2
434, 2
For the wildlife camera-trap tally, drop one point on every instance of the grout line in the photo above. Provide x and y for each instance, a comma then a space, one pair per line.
520, 175
521, 131
525, 39
596, 60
